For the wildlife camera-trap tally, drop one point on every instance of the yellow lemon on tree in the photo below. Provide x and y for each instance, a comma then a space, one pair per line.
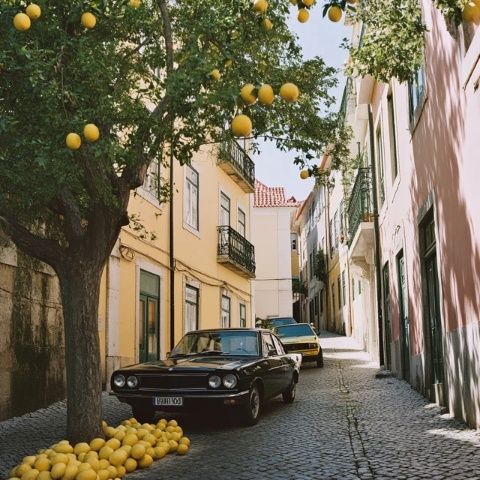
304, 174
33, 11
134, 3
308, 3
182, 449
471, 12
91, 133
215, 74
22, 22
303, 15
335, 13
260, 6
289, 92
88, 20
266, 95
267, 24
249, 98
242, 126
294, 2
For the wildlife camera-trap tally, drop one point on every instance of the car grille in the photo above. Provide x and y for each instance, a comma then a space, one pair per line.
300, 346
172, 381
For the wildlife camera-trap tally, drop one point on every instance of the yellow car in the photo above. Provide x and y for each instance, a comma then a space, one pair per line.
301, 338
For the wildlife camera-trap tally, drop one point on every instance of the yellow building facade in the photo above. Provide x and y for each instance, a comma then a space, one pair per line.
152, 294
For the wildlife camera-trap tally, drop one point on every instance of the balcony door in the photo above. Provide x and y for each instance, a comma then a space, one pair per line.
224, 210
149, 309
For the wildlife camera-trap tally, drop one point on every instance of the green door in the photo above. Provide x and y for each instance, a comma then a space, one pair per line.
403, 311
387, 316
149, 335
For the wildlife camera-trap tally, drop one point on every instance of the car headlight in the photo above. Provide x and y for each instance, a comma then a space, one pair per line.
119, 380
214, 381
230, 381
132, 381
314, 345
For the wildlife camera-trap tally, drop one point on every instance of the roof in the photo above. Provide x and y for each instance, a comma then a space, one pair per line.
272, 197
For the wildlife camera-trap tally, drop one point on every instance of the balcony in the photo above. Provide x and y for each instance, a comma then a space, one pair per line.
234, 160
360, 220
235, 252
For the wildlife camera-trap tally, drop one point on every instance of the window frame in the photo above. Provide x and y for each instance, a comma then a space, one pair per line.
239, 223
243, 307
223, 196
222, 311
189, 184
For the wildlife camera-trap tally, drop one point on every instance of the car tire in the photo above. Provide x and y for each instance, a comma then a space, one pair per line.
251, 409
289, 394
143, 413
320, 360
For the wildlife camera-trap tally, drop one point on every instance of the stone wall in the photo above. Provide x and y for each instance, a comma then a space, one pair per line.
31, 334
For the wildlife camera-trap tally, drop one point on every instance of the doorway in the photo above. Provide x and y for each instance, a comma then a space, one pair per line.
403, 313
387, 316
149, 303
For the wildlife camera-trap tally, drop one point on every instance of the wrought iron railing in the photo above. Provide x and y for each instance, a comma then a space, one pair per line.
233, 153
360, 207
236, 249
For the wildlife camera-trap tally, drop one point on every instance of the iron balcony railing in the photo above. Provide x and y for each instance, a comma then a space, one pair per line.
236, 250
360, 207
236, 162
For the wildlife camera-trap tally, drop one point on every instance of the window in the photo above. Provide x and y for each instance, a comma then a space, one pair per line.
340, 219
225, 311
152, 181
344, 289
242, 223
416, 92
278, 345
333, 298
149, 302
353, 289
331, 233
380, 166
243, 315
191, 198
310, 263
224, 210
268, 345
339, 285
359, 287
393, 135
321, 300
293, 239
191, 308
335, 229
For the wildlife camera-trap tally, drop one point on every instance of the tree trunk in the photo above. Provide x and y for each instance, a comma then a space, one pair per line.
80, 289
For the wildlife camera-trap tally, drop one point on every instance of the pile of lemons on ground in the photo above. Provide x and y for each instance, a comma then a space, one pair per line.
242, 124
126, 448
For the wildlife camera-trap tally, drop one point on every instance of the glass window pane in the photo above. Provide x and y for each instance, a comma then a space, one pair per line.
152, 325
149, 283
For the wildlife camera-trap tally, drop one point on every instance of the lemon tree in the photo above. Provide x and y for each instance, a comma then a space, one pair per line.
93, 91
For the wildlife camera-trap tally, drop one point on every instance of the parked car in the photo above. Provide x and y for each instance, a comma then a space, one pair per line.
271, 323
228, 368
301, 338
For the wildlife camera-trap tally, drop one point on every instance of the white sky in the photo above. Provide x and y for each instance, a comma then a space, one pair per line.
319, 36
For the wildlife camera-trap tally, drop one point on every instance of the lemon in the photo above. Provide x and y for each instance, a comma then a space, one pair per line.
108, 431
70, 472
105, 452
173, 445
112, 471
241, 126
157, 433
248, 96
294, 2
118, 458
260, 6
22, 22
141, 432
134, 3
30, 460
113, 443
304, 174
308, 3
130, 439
103, 475
33, 11
228, 63
267, 24
121, 471
63, 448
215, 74
182, 449
82, 447
266, 95
130, 465
120, 435
170, 429
22, 469
58, 470
289, 92
160, 452
45, 475
87, 475
73, 141
471, 12
88, 20
150, 438
59, 458
96, 444
138, 451
145, 462
92, 134
42, 464
30, 475
335, 13
303, 15
94, 463
184, 440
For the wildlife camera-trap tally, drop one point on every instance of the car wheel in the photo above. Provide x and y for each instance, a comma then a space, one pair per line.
320, 360
143, 413
289, 394
251, 409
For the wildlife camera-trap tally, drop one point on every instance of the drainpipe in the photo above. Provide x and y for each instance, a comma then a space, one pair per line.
376, 227
172, 259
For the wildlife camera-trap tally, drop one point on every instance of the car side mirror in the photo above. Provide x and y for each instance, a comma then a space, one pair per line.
313, 327
272, 352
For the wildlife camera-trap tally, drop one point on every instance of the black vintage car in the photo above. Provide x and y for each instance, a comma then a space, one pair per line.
236, 369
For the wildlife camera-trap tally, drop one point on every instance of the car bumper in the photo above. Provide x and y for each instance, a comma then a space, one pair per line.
307, 355
191, 400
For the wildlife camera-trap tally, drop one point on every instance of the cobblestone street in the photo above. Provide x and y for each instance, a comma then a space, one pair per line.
345, 424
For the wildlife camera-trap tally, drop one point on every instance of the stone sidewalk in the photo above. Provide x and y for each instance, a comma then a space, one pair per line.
344, 424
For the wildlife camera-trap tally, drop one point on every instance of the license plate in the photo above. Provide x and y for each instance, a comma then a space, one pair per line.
168, 401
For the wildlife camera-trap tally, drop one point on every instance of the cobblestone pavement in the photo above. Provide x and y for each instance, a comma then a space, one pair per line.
344, 424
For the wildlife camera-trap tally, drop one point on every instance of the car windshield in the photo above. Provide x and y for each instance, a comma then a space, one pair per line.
217, 343
298, 330
278, 322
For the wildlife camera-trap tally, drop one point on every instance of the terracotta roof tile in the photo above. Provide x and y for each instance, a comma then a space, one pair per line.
272, 197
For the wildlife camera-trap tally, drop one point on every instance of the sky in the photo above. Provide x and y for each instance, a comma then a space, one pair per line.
321, 37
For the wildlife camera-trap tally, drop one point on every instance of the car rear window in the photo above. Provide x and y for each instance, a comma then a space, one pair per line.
298, 330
